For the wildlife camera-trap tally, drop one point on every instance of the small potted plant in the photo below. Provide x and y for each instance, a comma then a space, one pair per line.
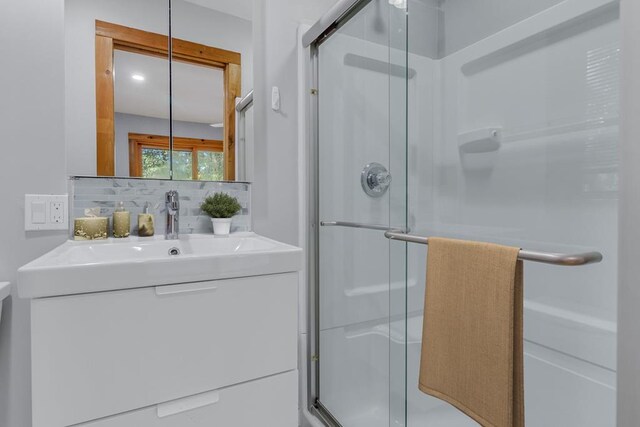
221, 208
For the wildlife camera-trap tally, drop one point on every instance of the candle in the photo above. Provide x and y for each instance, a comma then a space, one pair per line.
145, 225
121, 224
90, 228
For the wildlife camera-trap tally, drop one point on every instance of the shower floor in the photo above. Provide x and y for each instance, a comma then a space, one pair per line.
373, 411
441, 416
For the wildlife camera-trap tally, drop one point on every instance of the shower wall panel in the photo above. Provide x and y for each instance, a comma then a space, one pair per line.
549, 86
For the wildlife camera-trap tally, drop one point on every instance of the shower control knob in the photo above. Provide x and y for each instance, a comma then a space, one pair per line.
382, 179
375, 179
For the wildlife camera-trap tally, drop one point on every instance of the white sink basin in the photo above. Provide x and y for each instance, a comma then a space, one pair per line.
81, 267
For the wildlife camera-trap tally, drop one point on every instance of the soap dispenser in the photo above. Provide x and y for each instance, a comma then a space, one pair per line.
145, 222
121, 221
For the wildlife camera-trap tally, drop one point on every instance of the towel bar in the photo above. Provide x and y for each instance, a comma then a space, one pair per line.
525, 255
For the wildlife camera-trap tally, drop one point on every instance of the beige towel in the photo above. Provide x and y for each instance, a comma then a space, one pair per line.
472, 354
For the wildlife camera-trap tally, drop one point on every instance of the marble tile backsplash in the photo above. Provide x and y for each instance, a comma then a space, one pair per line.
105, 193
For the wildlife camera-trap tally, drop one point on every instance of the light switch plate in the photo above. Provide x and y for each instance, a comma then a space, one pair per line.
275, 98
38, 212
46, 212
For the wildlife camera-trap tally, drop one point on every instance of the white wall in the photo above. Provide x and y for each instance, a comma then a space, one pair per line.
275, 192
629, 244
190, 22
275, 189
32, 161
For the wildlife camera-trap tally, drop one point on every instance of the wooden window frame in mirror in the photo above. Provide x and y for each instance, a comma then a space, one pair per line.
138, 142
110, 37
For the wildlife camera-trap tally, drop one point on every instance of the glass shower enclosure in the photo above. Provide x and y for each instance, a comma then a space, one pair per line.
485, 120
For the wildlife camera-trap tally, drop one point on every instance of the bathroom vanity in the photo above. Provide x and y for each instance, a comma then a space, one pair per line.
193, 332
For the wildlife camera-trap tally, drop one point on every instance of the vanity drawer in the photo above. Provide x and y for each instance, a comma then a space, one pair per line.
101, 354
268, 402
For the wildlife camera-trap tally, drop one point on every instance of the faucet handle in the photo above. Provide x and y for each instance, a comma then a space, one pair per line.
172, 203
172, 200
172, 197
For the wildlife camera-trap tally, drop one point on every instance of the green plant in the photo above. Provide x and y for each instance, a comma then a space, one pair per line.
220, 205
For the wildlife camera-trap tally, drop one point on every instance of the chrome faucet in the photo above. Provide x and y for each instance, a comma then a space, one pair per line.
172, 203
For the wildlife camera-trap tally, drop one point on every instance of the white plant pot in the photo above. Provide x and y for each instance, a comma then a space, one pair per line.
221, 226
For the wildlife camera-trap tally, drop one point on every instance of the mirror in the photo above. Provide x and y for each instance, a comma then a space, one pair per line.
132, 112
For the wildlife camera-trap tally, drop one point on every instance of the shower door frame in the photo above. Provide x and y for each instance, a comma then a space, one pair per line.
338, 15
313, 246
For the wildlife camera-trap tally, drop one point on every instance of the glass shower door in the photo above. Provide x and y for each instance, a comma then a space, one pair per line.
362, 192
496, 122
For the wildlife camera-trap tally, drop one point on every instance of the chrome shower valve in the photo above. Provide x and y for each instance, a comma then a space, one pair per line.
375, 179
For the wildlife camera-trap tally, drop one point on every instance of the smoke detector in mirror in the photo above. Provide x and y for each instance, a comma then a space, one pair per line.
138, 77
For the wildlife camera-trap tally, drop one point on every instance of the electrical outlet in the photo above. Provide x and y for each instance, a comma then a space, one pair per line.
57, 212
46, 212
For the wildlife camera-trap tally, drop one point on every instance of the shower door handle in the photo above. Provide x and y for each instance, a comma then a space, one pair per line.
348, 224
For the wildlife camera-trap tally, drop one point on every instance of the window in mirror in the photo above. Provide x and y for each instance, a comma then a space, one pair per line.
193, 158
154, 163
210, 166
182, 164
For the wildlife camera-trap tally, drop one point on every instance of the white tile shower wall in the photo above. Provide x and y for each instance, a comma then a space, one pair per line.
105, 193
552, 185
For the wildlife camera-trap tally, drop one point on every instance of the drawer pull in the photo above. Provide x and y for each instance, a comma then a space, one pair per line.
187, 403
181, 289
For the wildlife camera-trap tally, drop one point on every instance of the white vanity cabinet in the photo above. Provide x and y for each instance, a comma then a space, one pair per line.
126, 334
264, 402
220, 352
